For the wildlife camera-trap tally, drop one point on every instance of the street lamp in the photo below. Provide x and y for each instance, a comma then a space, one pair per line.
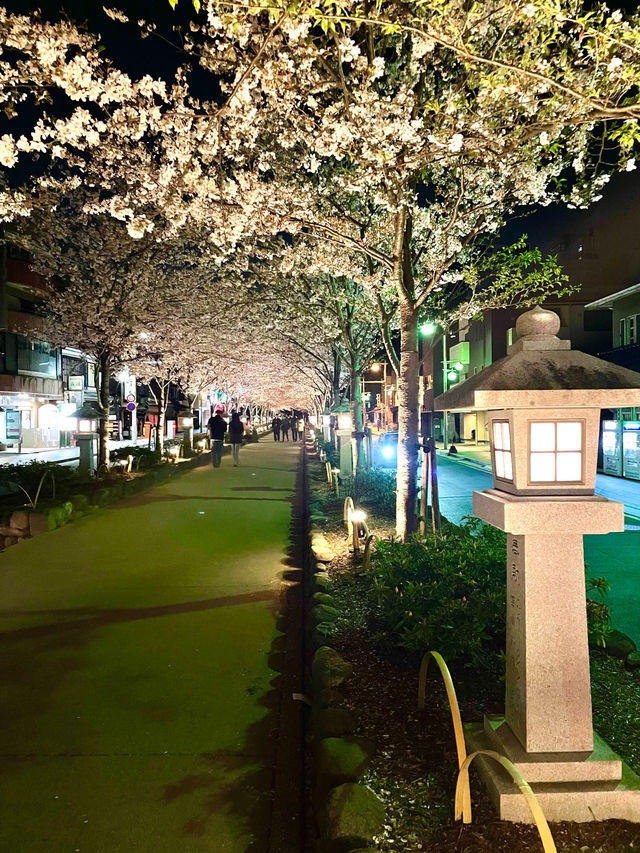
427, 328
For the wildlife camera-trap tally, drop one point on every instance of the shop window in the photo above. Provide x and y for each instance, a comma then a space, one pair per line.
555, 451
502, 450
628, 330
36, 357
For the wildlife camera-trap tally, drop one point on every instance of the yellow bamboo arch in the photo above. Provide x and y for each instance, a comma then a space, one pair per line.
462, 791
456, 719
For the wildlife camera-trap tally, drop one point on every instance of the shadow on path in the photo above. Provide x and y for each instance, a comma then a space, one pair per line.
141, 500
95, 617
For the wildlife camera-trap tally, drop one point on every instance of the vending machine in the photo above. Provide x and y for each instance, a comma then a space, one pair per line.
631, 449
612, 448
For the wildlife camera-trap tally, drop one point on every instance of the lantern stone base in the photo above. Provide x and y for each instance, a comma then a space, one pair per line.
569, 786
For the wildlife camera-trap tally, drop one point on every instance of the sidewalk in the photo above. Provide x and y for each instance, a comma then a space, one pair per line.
140, 652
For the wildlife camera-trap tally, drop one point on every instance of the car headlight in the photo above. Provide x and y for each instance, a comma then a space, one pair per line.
388, 451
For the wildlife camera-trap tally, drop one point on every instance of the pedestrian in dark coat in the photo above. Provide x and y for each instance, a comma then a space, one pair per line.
236, 431
294, 428
286, 424
217, 427
275, 426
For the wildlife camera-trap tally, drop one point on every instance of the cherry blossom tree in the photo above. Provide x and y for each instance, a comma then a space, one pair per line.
406, 134
401, 134
101, 282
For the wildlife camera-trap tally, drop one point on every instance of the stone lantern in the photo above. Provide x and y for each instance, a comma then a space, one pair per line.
343, 438
543, 402
87, 438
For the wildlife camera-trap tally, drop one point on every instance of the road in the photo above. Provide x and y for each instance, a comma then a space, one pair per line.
615, 556
141, 658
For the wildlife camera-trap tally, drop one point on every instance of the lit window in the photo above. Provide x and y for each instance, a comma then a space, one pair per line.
555, 452
502, 450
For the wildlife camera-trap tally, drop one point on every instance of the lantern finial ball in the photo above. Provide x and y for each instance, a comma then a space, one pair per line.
538, 321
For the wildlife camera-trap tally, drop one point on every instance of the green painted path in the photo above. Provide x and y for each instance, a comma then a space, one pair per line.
138, 657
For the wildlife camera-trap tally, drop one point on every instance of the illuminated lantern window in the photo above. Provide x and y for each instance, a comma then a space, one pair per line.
555, 451
502, 450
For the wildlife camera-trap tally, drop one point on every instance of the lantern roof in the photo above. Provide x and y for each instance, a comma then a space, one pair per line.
542, 371
341, 408
87, 412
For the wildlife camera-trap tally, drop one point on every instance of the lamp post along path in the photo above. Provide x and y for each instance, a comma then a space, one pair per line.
544, 404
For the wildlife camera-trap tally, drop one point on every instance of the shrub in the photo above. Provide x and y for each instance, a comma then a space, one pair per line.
144, 455
331, 453
598, 617
16, 478
375, 488
251, 436
447, 595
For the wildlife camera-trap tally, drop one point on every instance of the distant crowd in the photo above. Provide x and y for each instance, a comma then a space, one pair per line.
284, 425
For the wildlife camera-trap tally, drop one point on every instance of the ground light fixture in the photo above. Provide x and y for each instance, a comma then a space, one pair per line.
358, 527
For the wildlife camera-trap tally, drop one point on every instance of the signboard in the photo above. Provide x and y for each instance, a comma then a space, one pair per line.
131, 398
131, 407
129, 387
13, 421
75, 383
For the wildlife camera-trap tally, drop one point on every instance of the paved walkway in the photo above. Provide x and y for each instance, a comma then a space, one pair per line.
139, 664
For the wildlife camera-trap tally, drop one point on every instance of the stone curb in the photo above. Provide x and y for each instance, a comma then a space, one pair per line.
349, 815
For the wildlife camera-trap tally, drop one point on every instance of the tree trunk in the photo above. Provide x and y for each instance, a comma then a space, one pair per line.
408, 416
357, 419
335, 390
3, 281
187, 432
103, 409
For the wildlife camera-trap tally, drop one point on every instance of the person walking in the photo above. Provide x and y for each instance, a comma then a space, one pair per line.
275, 426
284, 426
236, 431
217, 427
294, 428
